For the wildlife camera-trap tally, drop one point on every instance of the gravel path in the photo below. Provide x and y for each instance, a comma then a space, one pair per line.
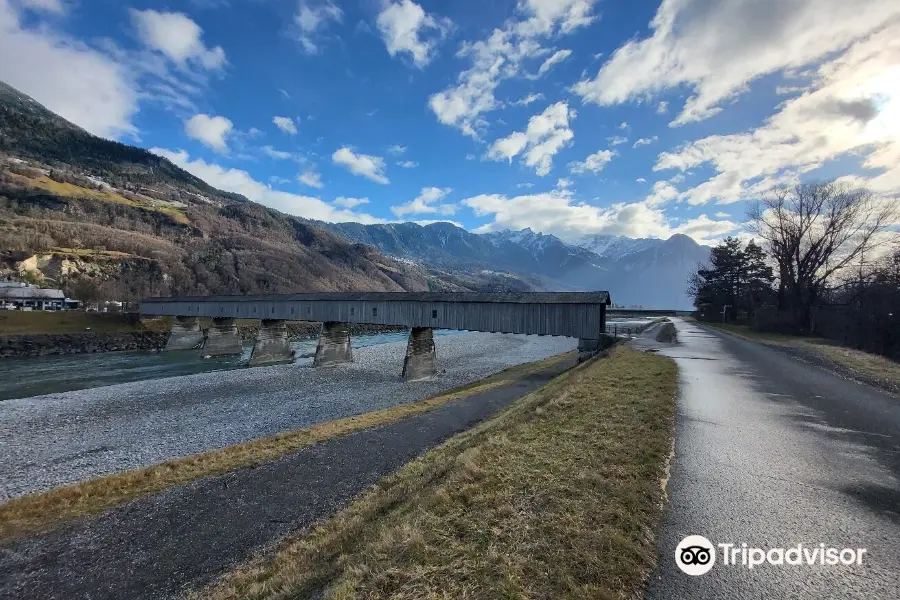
156, 547
47, 441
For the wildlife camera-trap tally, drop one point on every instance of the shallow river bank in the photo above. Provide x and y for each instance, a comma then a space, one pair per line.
51, 440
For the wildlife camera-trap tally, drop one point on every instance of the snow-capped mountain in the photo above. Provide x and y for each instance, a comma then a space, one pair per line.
615, 247
649, 272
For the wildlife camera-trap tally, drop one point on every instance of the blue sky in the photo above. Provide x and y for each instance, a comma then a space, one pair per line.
571, 117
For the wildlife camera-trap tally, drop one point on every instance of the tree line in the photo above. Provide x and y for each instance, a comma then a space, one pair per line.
809, 268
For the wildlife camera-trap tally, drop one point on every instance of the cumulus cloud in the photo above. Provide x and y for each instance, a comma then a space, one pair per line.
641, 180
313, 17
528, 99
427, 202
286, 124
662, 108
275, 153
396, 149
695, 43
559, 213
501, 56
406, 28
553, 59
593, 163
345, 202
644, 141
547, 133
85, 86
176, 36
209, 131
407, 164
851, 105
617, 140
311, 178
240, 182
364, 165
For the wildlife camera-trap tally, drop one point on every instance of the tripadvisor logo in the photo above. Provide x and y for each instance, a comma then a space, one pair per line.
696, 555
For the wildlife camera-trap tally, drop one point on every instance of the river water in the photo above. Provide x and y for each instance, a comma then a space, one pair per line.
25, 377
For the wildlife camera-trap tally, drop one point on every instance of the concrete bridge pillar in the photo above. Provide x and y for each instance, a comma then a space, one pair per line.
420, 354
272, 346
334, 345
223, 338
186, 334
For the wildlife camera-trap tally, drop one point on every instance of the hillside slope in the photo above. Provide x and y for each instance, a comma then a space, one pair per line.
75, 206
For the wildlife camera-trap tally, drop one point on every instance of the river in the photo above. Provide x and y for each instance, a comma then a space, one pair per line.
26, 377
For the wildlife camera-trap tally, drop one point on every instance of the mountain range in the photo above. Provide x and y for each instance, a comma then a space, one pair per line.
646, 271
73, 205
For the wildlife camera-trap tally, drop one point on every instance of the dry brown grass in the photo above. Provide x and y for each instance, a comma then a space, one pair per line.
871, 368
43, 511
556, 497
17, 322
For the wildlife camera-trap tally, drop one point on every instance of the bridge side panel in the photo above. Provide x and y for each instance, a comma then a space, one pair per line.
572, 320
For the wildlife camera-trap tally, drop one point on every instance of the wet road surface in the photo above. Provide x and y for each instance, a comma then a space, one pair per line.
772, 452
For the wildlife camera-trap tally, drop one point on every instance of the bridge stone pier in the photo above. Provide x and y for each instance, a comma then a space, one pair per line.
223, 338
186, 334
272, 346
421, 356
334, 345
579, 315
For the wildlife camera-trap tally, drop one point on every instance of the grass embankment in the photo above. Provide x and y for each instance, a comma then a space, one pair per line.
16, 322
871, 368
555, 497
43, 511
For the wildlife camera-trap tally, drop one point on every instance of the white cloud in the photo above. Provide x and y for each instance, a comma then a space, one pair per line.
695, 43
559, 213
349, 202
407, 164
556, 57
404, 24
471, 157
209, 131
528, 100
427, 202
396, 149
617, 140
852, 105
662, 108
593, 163
276, 179
547, 133
312, 179
641, 180
286, 124
526, 185
284, 93
176, 36
424, 222
364, 165
644, 141
722, 215
275, 153
624, 125
240, 182
501, 56
311, 19
85, 86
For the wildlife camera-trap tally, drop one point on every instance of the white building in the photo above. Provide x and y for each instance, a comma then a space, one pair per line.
15, 295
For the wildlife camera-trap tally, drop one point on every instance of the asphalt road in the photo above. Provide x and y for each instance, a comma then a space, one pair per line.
771, 451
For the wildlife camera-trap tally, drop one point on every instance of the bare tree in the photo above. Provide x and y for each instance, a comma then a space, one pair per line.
814, 231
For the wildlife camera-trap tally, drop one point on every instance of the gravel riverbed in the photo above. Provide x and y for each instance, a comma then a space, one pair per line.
52, 440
